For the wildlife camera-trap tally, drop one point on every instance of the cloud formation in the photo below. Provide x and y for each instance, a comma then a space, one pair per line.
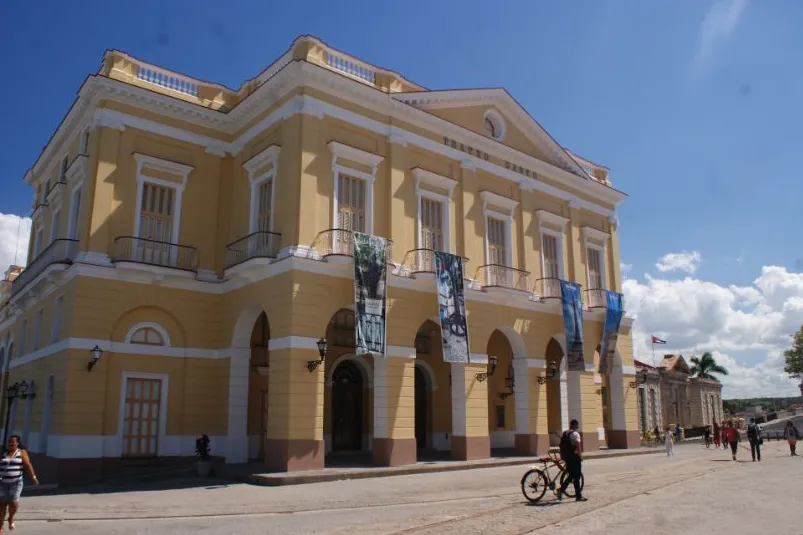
685, 261
14, 234
747, 328
719, 23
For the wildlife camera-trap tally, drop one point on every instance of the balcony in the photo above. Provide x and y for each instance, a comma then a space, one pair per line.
340, 243
256, 245
548, 288
598, 298
58, 252
499, 276
422, 261
155, 253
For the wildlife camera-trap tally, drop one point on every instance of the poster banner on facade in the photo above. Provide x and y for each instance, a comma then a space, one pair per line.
370, 284
573, 324
610, 331
451, 306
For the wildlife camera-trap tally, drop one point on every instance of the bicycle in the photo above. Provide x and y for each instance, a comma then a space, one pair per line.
535, 481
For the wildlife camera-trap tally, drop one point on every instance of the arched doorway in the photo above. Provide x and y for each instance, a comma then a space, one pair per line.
557, 393
347, 408
501, 394
258, 386
433, 392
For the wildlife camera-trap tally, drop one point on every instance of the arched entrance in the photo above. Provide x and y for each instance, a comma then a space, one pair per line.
258, 386
433, 392
348, 393
557, 393
501, 394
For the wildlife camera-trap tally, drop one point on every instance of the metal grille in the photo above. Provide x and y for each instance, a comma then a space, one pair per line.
431, 224
141, 419
497, 242
351, 204
550, 253
156, 213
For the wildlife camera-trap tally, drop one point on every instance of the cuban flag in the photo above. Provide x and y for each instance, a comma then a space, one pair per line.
656, 340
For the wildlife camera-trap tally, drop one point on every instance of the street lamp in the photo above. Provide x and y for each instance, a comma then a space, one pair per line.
96, 353
312, 365
18, 390
510, 383
492, 362
551, 373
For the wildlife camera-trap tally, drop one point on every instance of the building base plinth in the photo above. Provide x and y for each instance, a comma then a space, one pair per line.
532, 444
471, 448
393, 451
289, 455
590, 441
622, 439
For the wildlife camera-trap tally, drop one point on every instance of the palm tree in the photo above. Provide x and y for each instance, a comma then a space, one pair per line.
705, 366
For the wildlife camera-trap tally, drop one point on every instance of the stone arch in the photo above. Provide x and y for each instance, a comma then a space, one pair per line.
241, 335
153, 315
433, 404
501, 385
516, 342
362, 365
429, 374
557, 389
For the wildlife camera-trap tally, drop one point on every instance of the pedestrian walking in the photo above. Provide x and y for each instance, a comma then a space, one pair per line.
571, 451
754, 437
791, 434
731, 437
678, 432
717, 436
658, 435
668, 442
11, 466
722, 432
707, 437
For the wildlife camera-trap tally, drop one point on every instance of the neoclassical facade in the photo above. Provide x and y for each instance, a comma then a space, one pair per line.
201, 238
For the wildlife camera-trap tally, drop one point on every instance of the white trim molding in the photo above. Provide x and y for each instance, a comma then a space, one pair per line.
148, 325
440, 182
545, 218
269, 156
340, 151
498, 124
492, 199
590, 233
548, 218
164, 166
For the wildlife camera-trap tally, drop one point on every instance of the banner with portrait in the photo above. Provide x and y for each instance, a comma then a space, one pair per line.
370, 286
452, 306
573, 325
610, 331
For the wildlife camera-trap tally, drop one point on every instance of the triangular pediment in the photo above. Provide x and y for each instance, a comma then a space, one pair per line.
471, 108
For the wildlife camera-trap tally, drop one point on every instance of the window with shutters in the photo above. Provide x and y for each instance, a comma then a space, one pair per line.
156, 213
497, 241
351, 204
75, 210
550, 254
595, 280
264, 206
431, 224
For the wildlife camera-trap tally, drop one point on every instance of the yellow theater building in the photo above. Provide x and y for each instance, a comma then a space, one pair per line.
199, 239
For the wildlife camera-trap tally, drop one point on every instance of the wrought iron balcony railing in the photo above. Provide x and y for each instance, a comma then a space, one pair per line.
340, 242
423, 261
155, 253
498, 276
60, 251
598, 298
548, 288
260, 244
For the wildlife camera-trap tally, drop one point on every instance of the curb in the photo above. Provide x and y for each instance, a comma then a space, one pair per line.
284, 479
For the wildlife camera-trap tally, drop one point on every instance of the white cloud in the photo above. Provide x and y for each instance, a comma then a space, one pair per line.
625, 268
719, 23
685, 261
14, 233
738, 324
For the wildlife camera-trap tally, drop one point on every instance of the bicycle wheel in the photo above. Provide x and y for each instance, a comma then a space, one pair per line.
534, 484
570, 488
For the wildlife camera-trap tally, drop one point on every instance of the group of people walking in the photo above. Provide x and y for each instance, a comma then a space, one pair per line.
727, 435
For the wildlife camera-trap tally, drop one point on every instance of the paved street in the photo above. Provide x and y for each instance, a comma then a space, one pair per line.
697, 490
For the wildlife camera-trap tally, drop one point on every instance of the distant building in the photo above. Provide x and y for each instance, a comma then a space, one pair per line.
684, 400
5, 284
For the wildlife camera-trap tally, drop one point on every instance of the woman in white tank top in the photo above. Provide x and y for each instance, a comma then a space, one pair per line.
12, 465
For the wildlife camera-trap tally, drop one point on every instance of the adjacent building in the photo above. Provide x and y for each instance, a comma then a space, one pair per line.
199, 239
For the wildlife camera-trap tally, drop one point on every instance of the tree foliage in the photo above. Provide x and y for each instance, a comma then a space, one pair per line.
794, 356
705, 366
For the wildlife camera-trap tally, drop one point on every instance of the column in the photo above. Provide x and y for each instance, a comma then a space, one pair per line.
473, 228
624, 411
470, 439
584, 405
237, 451
394, 410
401, 196
532, 435
295, 411
98, 194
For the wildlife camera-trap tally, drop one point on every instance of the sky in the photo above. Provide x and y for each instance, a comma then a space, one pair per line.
692, 104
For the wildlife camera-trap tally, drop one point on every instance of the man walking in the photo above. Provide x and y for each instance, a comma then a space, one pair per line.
571, 451
754, 436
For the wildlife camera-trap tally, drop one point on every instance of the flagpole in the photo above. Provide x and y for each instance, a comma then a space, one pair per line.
652, 339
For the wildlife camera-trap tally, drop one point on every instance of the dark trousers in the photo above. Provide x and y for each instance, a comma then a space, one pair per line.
755, 449
575, 469
734, 445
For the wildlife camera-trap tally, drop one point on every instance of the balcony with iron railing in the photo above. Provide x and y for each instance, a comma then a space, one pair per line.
499, 276
260, 244
548, 288
60, 251
598, 298
422, 261
340, 243
155, 253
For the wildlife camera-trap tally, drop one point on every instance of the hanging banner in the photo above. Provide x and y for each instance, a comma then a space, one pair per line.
610, 331
573, 324
370, 283
451, 306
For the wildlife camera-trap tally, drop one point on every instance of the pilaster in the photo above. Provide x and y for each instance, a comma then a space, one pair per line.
532, 437
470, 439
98, 193
401, 196
574, 248
394, 411
473, 228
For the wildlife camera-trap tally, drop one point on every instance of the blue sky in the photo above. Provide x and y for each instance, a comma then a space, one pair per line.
693, 104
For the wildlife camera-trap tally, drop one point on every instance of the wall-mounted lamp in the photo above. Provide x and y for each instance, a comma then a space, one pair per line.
551, 373
312, 365
492, 362
96, 352
510, 383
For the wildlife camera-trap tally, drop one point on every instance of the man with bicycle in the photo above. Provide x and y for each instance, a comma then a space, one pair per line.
571, 451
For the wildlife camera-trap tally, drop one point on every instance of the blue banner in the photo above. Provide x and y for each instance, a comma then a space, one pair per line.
573, 324
610, 331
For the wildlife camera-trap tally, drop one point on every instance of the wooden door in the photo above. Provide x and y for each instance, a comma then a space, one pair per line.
141, 418
347, 408
421, 409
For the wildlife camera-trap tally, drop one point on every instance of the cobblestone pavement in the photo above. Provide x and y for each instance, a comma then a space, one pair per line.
697, 489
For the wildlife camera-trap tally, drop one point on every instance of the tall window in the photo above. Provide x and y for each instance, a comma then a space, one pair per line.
55, 224
497, 241
156, 213
65, 164
47, 188
549, 251
83, 147
594, 268
351, 204
264, 205
39, 237
21, 343
75, 210
55, 328
431, 224
37, 328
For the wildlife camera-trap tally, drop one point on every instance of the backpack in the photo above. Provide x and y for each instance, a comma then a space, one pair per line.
752, 432
566, 447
